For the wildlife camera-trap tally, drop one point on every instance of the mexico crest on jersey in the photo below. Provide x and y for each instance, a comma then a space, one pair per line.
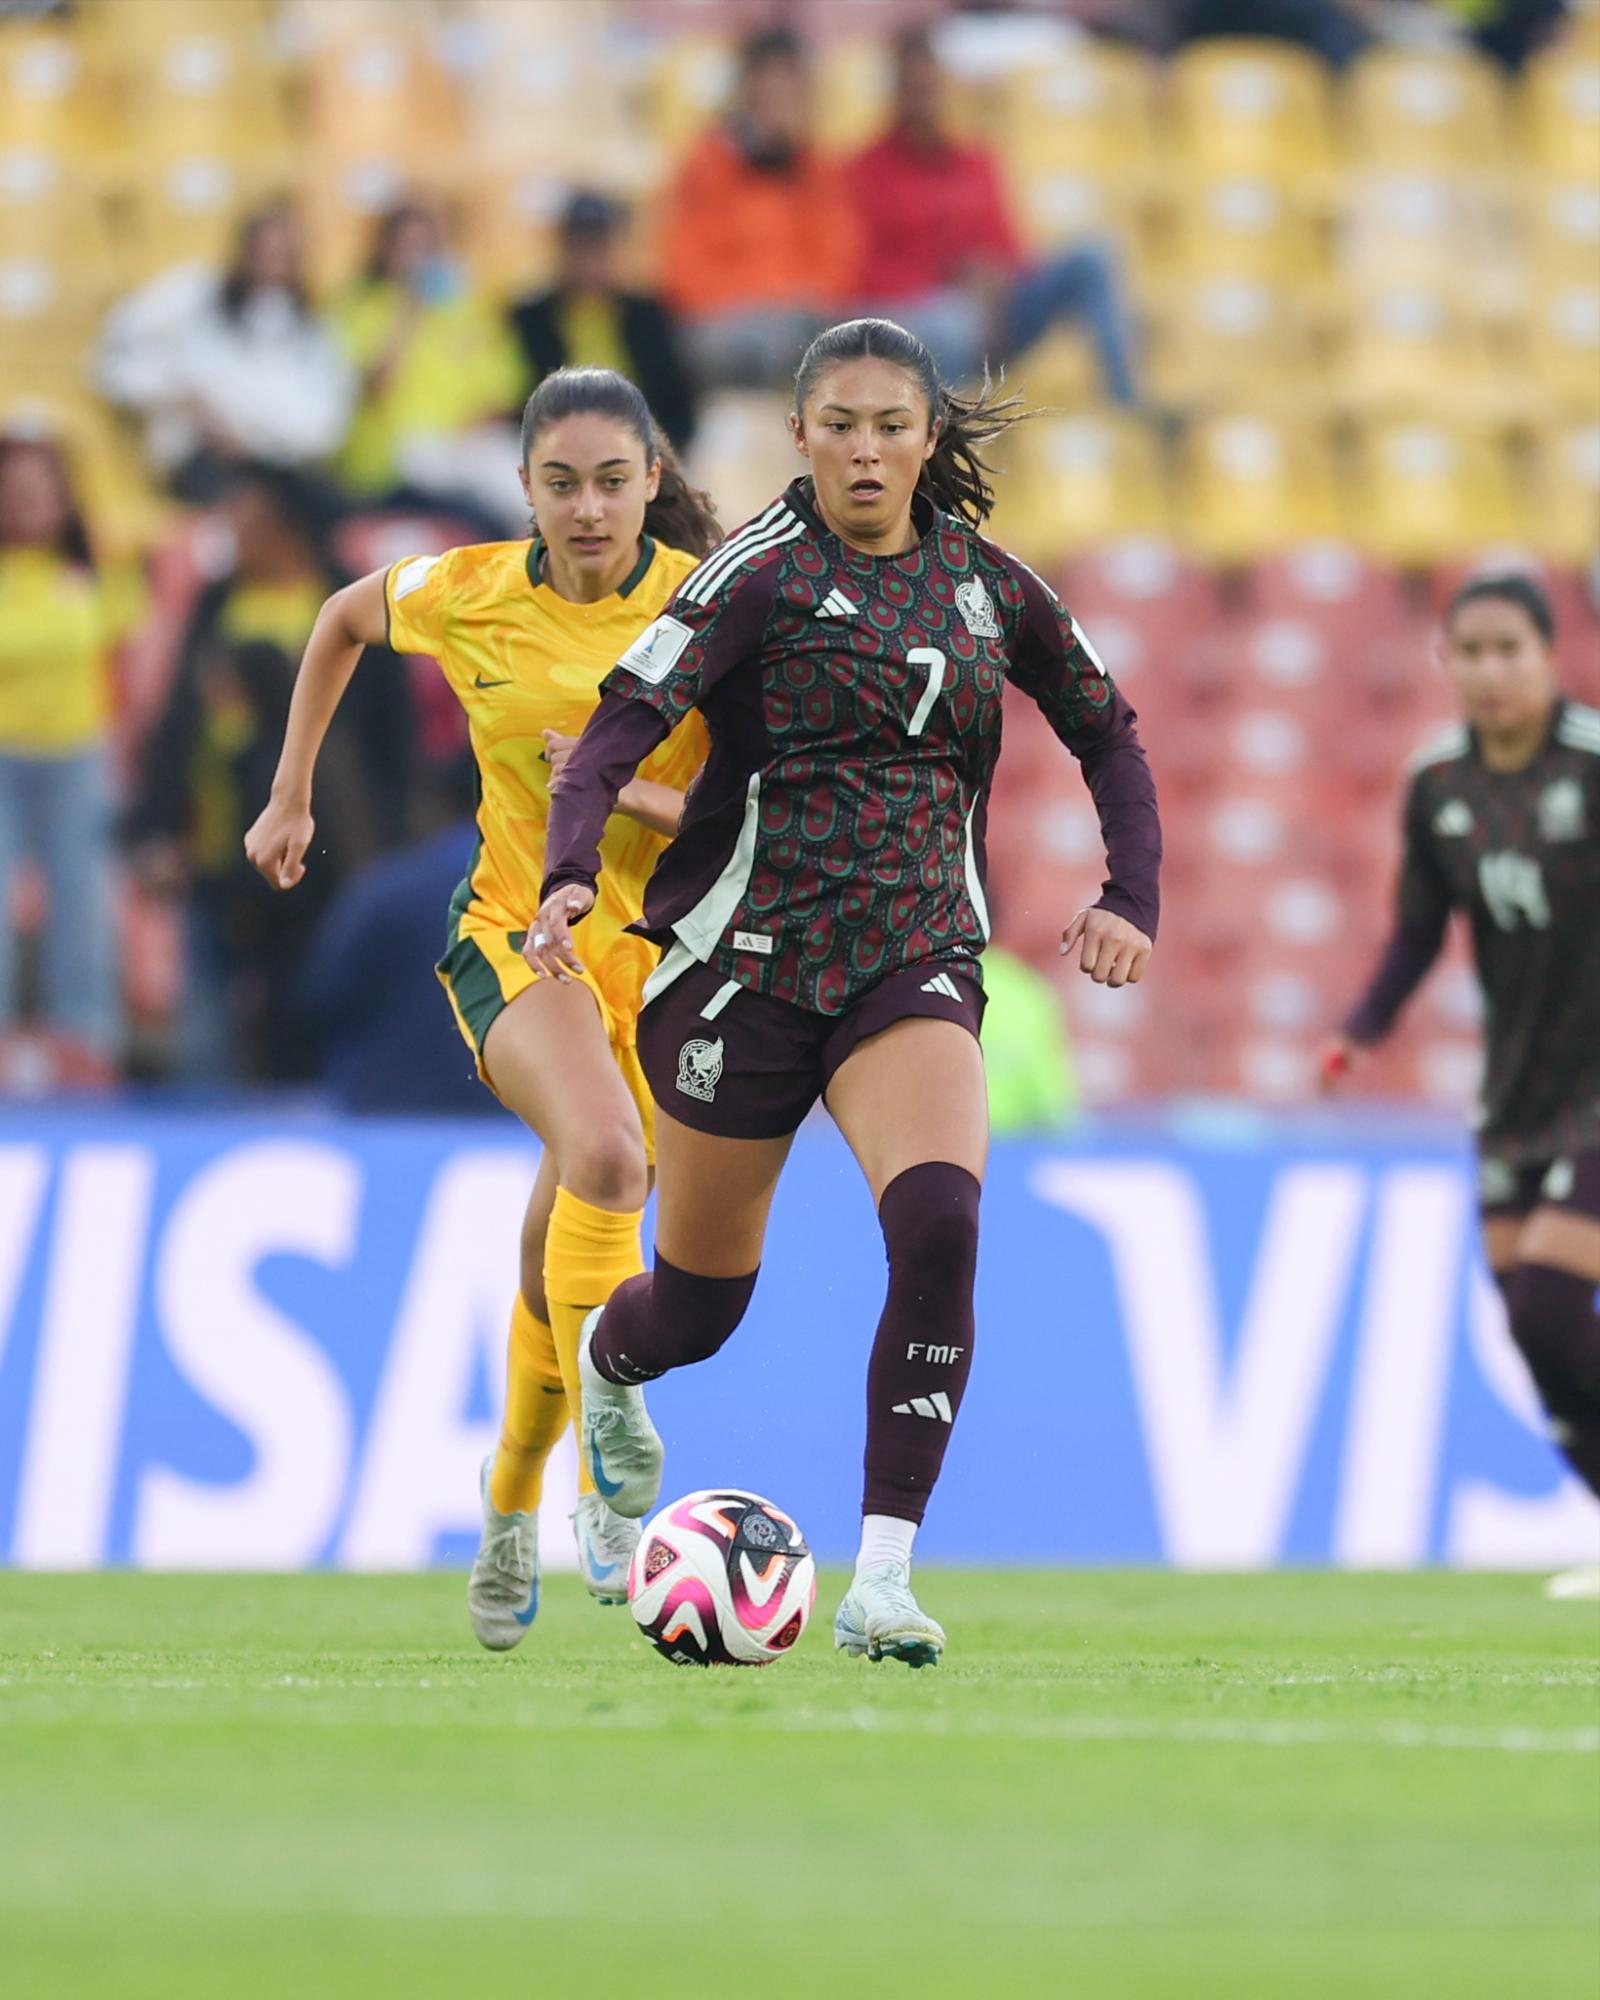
700, 1069
1561, 810
977, 608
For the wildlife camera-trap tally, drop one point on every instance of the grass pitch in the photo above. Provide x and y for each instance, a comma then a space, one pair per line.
1118, 1785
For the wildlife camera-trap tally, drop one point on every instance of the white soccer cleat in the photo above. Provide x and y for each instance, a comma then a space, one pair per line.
606, 1542
880, 1617
503, 1590
619, 1441
1582, 1583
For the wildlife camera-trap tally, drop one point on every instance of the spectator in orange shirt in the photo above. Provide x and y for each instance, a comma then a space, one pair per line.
760, 243
942, 255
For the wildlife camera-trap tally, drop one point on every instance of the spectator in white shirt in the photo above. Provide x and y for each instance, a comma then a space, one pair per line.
231, 365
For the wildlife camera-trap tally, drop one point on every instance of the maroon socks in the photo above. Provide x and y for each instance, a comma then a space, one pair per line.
1556, 1325
666, 1318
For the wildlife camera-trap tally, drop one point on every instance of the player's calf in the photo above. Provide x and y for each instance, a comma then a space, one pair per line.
1555, 1324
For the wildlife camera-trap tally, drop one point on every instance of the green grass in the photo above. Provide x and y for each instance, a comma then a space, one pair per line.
1118, 1785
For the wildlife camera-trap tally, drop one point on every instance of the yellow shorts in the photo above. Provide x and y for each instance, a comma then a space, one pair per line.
483, 970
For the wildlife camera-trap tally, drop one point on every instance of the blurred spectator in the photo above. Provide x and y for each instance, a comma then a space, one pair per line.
206, 768
759, 245
943, 256
1509, 30
230, 366
587, 320
439, 369
368, 987
1032, 1084
1336, 32
60, 617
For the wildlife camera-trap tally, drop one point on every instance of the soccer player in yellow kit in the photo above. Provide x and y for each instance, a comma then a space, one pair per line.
524, 632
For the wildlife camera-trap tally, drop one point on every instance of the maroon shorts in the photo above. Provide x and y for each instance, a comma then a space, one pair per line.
742, 1065
1570, 1182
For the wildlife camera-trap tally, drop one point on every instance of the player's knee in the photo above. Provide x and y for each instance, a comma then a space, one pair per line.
1555, 1324
702, 1311
930, 1229
605, 1166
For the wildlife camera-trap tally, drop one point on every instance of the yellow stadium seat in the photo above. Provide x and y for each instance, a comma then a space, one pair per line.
341, 203
688, 85
50, 206
1566, 350
1088, 110
1252, 107
1562, 104
186, 210
854, 87
1408, 350
47, 100
1243, 227
47, 321
1426, 110
1056, 206
1429, 492
1565, 516
508, 227
1565, 226
207, 94
1236, 344
383, 92
1071, 483
1249, 487
1436, 231
742, 453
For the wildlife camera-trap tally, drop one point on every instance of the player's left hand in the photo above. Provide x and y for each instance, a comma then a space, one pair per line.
1115, 952
557, 749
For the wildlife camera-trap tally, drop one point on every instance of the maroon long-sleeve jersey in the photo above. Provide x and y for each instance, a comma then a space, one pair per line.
853, 707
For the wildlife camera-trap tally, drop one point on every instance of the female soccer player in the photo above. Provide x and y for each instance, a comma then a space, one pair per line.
524, 631
823, 905
1502, 820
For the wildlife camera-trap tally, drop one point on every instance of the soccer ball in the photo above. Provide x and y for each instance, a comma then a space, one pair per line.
722, 1579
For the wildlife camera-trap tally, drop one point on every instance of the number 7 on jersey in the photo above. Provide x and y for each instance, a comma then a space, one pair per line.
931, 658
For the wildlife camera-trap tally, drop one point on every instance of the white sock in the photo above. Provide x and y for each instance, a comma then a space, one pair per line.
884, 1539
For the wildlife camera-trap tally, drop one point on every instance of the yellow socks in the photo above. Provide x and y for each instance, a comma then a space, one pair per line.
536, 1414
587, 1253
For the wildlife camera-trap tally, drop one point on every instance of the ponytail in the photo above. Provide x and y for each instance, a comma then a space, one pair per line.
956, 478
680, 515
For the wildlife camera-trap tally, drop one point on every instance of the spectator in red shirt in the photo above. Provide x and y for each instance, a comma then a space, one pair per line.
760, 245
942, 255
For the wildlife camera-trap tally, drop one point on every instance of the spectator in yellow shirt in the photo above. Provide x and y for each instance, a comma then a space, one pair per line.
60, 618
439, 369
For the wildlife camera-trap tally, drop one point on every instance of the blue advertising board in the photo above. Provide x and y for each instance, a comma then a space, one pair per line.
239, 1341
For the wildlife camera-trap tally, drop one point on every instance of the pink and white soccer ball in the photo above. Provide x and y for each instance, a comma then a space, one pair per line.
722, 1579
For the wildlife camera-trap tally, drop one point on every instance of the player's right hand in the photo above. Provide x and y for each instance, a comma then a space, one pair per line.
276, 845
1337, 1060
548, 947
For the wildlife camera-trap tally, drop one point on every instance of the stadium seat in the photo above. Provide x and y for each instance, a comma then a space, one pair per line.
1252, 108
1425, 109
1564, 522
1562, 107
1249, 486
1427, 231
207, 94
1330, 586
1565, 227
382, 93
688, 84
1409, 350
1237, 344
1088, 109
1428, 492
742, 452
185, 209
47, 91
1243, 227
50, 206
1566, 350
854, 84
1071, 482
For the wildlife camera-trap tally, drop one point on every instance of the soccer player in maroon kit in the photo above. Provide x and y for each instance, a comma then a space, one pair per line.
1502, 821
822, 907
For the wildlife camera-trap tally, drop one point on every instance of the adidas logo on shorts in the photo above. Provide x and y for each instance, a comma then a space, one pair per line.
942, 984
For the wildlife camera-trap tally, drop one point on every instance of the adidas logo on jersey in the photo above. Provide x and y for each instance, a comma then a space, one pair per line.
942, 984
937, 1405
837, 605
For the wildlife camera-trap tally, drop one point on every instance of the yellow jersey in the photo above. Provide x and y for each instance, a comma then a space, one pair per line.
58, 626
522, 659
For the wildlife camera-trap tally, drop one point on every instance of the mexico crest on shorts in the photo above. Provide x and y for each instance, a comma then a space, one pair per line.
700, 1068
977, 608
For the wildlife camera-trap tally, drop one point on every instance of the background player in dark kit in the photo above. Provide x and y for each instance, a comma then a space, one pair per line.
1502, 821
822, 907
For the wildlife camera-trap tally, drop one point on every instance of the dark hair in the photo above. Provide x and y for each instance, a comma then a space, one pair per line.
680, 515
237, 283
768, 45
956, 477
389, 226
72, 544
1510, 587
